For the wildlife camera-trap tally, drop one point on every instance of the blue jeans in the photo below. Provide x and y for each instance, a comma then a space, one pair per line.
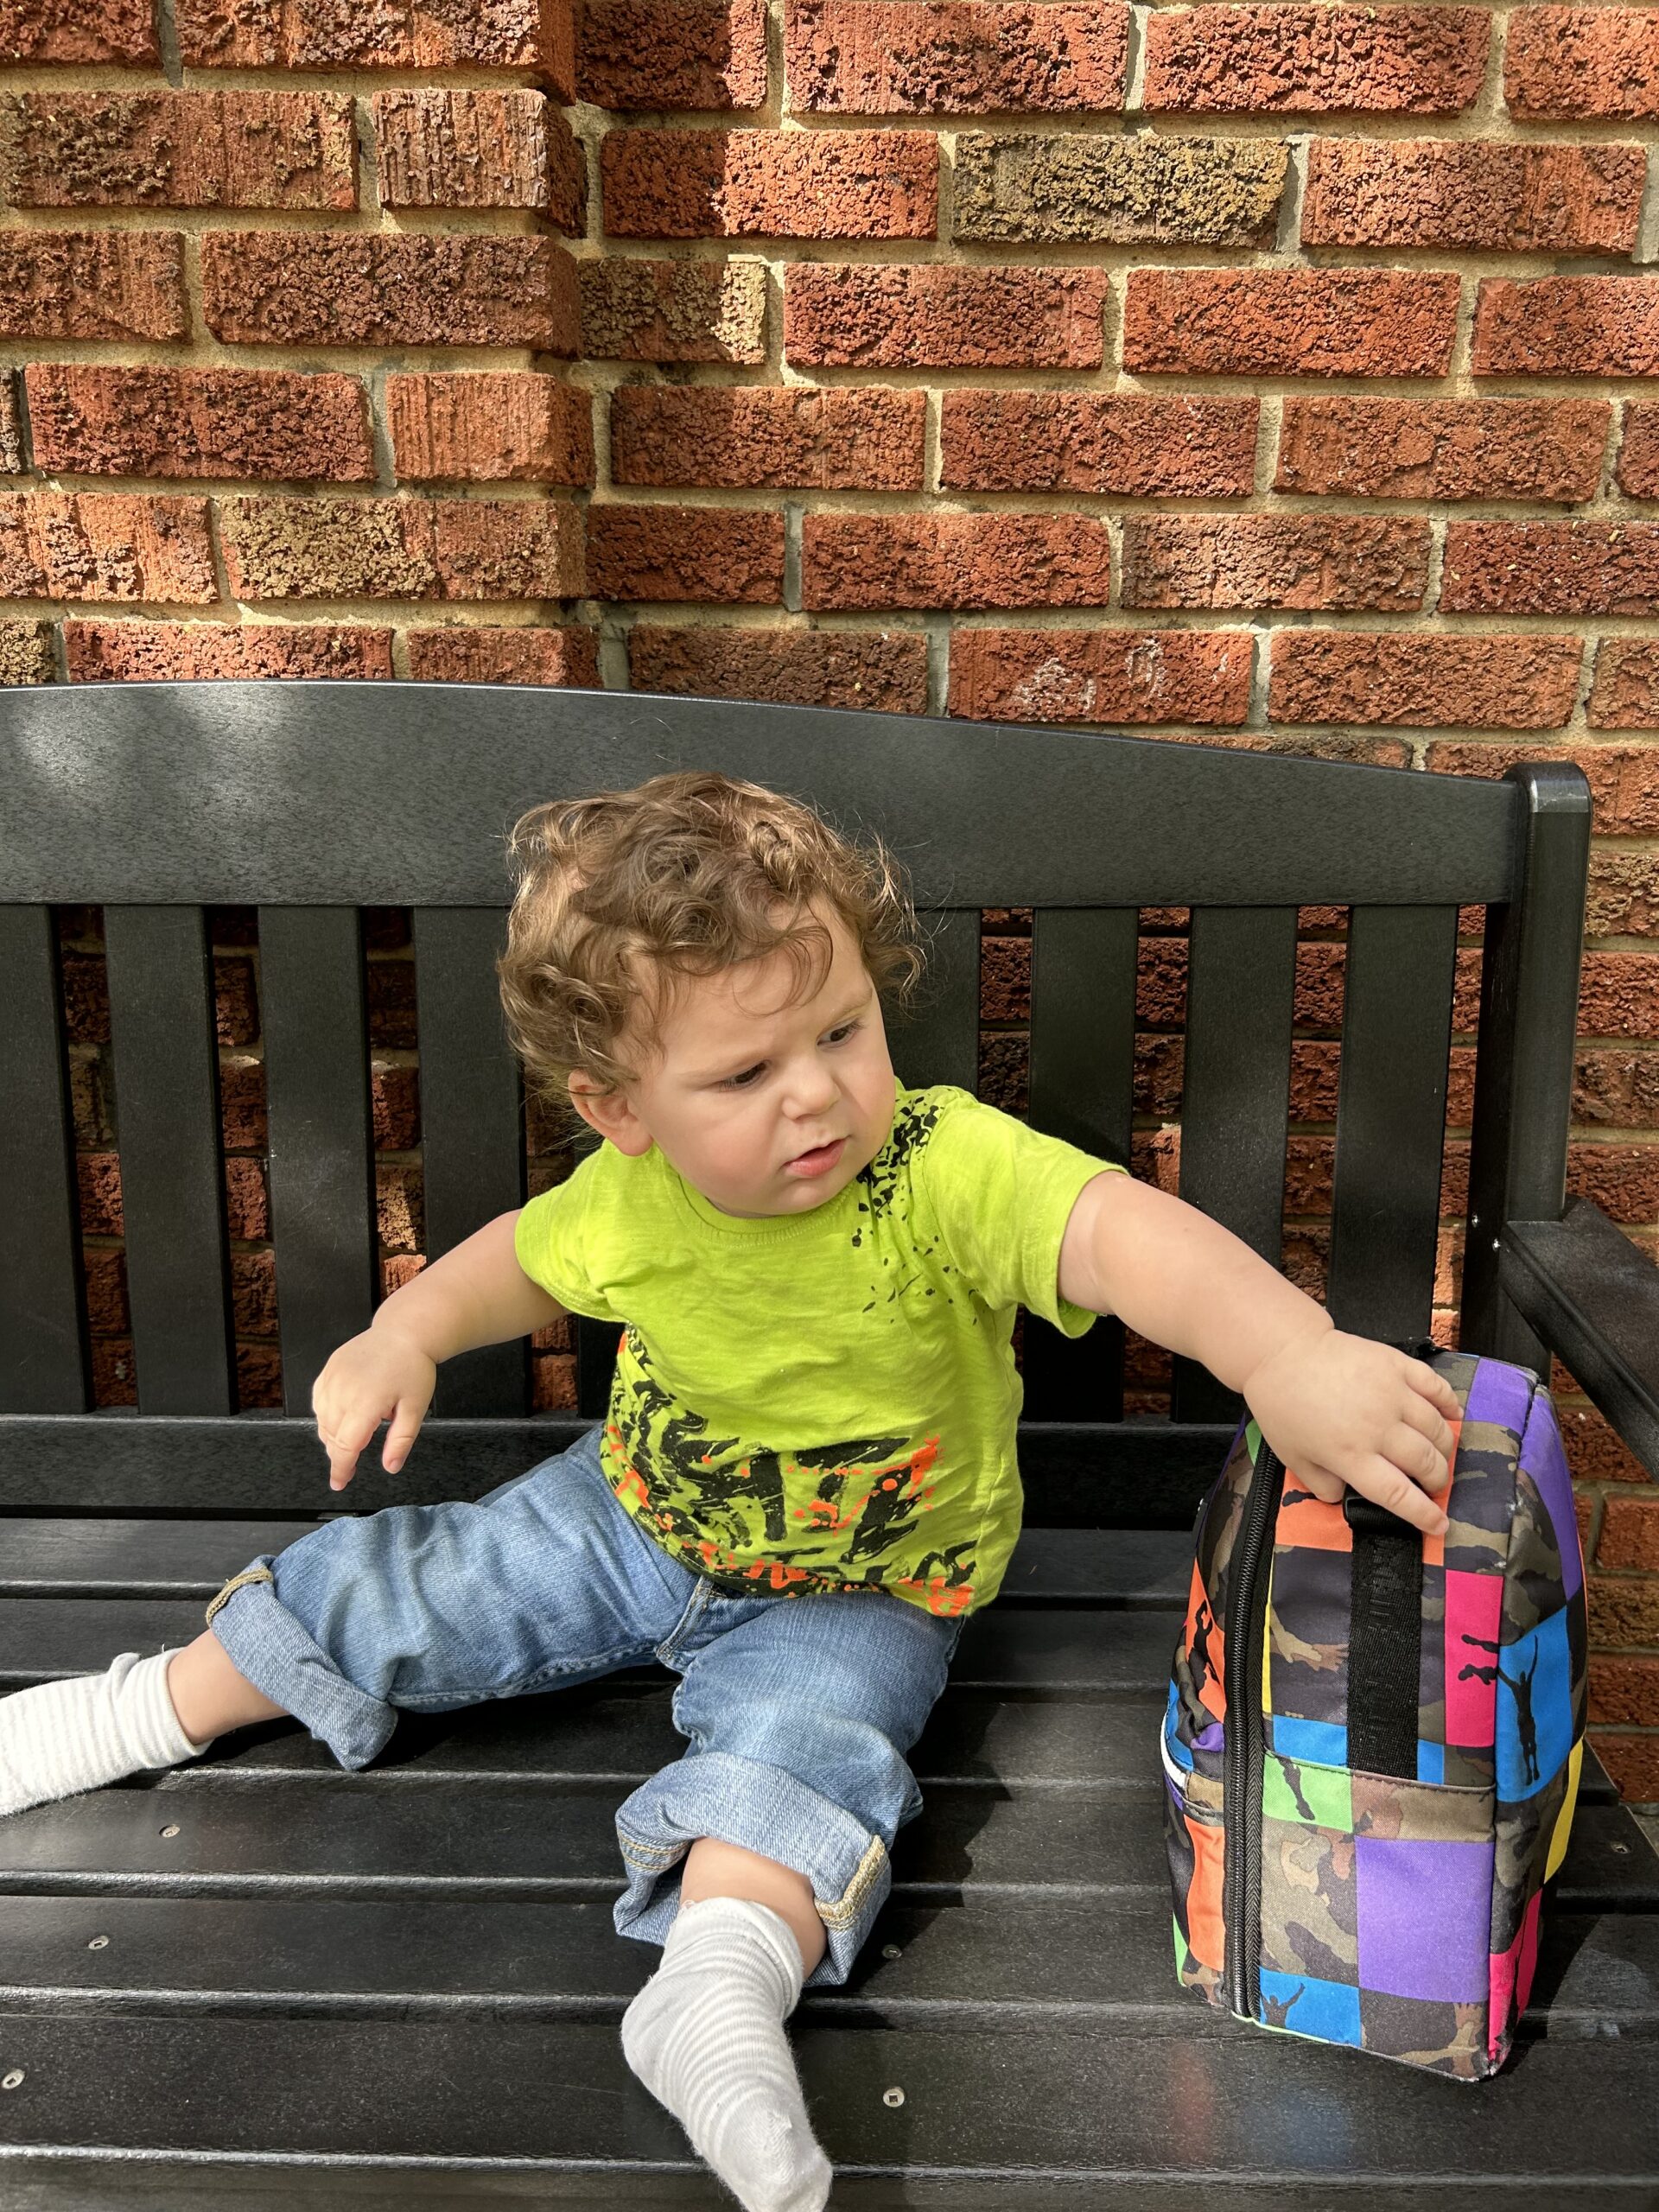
799, 1710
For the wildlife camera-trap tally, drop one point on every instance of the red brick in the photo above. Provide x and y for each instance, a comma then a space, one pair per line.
1567, 326
1465, 194
1616, 1089
92, 284
1443, 449
534, 34
1311, 60
1594, 1452
11, 427
1624, 896
232, 423
754, 435
1325, 561
1426, 679
882, 315
729, 554
445, 148
1135, 447
885, 669
328, 549
943, 560
509, 548
666, 53
490, 428
806, 184
1343, 322
1618, 992
112, 31
1625, 695
1551, 568
154, 652
673, 310
1590, 61
360, 287
1623, 789
567, 175
954, 57
1625, 1689
183, 149
1101, 675
106, 545
1084, 188
26, 654
1638, 453
1633, 1763
460, 654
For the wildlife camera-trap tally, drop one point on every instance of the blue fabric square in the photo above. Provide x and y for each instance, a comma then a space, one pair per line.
1177, 1750
1534, 1709
1431, 1762
1321, 1743
1329, 2010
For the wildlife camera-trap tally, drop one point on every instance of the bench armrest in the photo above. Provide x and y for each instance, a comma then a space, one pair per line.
1594, 1297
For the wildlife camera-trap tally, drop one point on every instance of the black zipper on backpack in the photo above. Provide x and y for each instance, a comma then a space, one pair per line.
1247, 1622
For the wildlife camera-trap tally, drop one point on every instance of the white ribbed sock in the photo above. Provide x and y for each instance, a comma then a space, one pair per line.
706, 2037
62, 1737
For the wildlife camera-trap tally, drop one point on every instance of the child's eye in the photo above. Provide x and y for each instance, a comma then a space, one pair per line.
746, 1080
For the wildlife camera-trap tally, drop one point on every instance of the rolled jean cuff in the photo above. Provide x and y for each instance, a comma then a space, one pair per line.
266, 1644
765, 1809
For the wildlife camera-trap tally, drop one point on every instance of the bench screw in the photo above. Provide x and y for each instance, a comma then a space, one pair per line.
892, 2096
171, 1829
893, 1951
12, 2081
98, 1943
1622, 1849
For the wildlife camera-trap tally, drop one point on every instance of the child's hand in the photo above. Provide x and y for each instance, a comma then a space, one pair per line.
1340, 1409
381, 1375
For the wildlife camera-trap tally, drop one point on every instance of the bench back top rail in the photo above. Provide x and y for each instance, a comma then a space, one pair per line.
312, 801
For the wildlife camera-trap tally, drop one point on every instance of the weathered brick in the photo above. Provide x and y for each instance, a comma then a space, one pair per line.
1423, 678
157, 421
1625, 1610
154, 652
11, 426
1325, 561
92, 284
1567, 326
1594, 1451
509, 548
536, 35
183, 149
329, 549
1136, 446
106, 545
881, 315
120, 32
733, 555
673, 310
943, 560
1618, 994
1443, 449
567, 175
805, 184
1343, 322
1637, 471
1063, 189
800, 668
1101, 675
1624, 895
1311, 60
25, 653
1465, 194
754, 435
1616, 1089
1623, 790
446, 148
1627, 1690
1590, 61
490, 428
669, 54
466, 654
1625, 694
360, 287
954, 57
1551, 568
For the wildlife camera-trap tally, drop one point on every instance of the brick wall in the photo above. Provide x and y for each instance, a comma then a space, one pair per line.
1275, 375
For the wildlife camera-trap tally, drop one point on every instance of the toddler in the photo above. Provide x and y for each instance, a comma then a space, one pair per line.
806, 1479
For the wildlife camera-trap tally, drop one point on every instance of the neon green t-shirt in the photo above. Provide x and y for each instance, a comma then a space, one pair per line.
824, 1400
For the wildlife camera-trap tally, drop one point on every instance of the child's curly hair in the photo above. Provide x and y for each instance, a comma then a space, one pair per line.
619, 895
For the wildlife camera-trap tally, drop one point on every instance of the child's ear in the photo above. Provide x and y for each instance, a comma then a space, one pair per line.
612, 1114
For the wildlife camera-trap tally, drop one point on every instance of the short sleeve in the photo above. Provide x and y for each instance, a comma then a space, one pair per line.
558, 1238
1002, 1193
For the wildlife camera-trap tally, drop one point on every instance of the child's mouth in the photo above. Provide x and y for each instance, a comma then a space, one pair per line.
816, 1163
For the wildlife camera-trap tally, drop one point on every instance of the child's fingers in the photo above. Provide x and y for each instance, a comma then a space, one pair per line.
405, 1428
1386, 1485
1320, 1480
1421, 1419
1435, 1388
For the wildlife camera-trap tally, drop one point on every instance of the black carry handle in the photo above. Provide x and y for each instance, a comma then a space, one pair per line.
1384, 1639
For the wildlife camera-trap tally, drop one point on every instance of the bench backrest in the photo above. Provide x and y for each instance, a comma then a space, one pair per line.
312, 801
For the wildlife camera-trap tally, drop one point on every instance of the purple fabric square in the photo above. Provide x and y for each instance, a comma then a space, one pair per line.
1499, 1393
1425, 1918
1545, 1461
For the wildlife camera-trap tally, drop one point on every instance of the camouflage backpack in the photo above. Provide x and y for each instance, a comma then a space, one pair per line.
1358, 1851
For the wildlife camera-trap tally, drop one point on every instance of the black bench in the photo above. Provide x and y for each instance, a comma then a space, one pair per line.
259, 1976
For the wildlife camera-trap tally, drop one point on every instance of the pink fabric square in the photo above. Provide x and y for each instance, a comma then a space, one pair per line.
1474, 1614
1511, 1983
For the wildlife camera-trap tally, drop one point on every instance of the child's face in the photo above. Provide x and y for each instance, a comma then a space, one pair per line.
744, 1084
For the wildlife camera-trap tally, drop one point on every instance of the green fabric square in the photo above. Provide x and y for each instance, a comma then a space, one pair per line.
1317, 1796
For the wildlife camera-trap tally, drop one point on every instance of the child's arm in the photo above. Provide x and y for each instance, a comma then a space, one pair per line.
476, 1294
1338, 1409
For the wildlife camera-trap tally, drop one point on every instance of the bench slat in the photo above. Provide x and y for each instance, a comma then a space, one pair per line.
1396, 1035
44, 1358
165, 1057
1235, 1096
939, 1041
1082, 1088
322, 1136
472, 1137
